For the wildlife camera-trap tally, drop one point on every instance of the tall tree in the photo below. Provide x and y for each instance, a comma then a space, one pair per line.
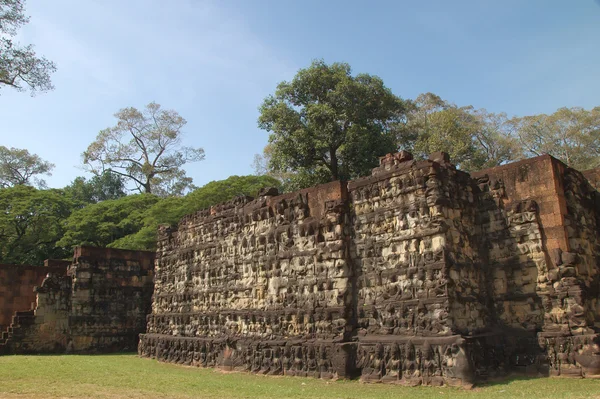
327, 124
20, 67
569, 134
31, 222
145, 148
19, 167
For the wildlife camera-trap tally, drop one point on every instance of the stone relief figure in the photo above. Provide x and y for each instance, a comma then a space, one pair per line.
312, 369
393, 365
324, 363
267, 361
373, 371
411, 367
257, 359
297, 362
276, 367
196, 361
288, 360
283, 271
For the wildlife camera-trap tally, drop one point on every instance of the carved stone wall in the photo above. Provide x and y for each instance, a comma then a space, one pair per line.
260, 285
417, 274
99, 305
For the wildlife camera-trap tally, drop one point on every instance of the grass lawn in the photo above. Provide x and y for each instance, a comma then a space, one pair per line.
127, 376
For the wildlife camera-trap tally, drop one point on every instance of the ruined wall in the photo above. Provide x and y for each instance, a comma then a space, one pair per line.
417, 274
541, 226
259, 285
16, 288
418, 284
99, 305
110, 298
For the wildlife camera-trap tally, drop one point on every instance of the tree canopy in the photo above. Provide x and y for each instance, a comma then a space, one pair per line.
99, 188
19, 167
474, 139
327, 124
131, 222
31, 223
569, 134
145, 148
104, 222
20, 67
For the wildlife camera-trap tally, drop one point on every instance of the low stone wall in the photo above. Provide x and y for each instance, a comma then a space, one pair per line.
16, 287
99, 305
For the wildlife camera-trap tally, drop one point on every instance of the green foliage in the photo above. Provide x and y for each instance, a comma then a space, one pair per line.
131, 222
102, 223
570, 134
474, 139
19, 167
145, 148
99, 188
31, 222
224, 190
170, 210
328, 124
20, 67
166, 211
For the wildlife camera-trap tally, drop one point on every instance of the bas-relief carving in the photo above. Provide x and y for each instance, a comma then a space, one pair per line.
418, 274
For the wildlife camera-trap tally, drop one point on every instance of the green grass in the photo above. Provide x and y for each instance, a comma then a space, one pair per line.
127, 376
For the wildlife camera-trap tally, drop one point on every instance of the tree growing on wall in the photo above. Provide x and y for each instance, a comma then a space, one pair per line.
145, 148
20, 67
19, 167
327, 124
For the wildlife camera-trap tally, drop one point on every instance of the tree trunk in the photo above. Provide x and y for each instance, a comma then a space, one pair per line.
334, 165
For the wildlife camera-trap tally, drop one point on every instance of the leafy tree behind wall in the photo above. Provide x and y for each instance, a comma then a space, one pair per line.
31, 223
99, 188
569, 134
474, 139
104, 222
131, 222
327, 124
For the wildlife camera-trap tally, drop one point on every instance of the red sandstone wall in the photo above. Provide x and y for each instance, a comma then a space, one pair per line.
536, 179
16, 287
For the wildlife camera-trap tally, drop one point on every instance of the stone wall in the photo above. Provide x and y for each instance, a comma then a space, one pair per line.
417, 274
99, 305
16, 287
251, 281
418, 284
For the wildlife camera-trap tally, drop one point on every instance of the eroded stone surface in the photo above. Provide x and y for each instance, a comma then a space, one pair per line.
417, 274
99, 305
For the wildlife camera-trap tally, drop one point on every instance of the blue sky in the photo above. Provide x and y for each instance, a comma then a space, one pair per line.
215, 61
